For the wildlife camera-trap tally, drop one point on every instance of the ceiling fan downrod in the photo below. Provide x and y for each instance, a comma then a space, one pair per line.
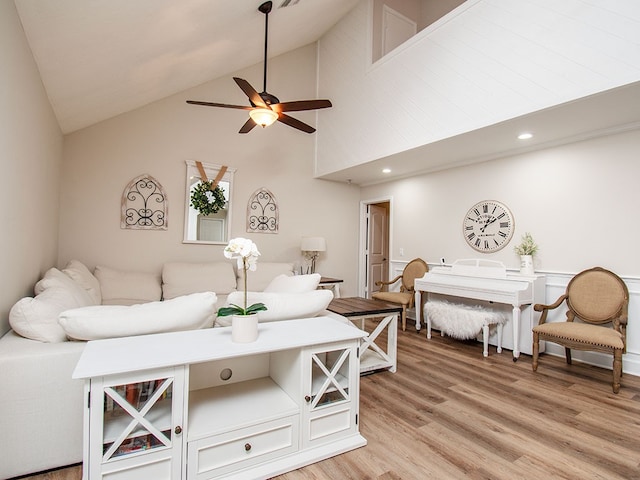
266, 9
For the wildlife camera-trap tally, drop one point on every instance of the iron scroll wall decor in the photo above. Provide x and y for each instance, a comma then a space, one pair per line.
144, 205
262, 212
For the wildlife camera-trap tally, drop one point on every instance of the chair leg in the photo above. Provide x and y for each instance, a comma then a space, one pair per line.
567, 353
535, 348
617, 370
404, 318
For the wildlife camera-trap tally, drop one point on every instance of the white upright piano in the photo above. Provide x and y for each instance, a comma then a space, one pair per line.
487, 282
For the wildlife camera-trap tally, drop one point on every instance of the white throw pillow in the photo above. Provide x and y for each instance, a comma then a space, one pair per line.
37, 317
127, 288
188, 312
258, 280
294, 283
282, 306
54, 278
179, 278
80, 274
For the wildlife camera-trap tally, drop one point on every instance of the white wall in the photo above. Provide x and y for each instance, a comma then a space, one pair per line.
30, 157
577, 200
99, 161
486, 62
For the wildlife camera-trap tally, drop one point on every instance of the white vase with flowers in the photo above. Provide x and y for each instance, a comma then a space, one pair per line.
526, 249
244, 324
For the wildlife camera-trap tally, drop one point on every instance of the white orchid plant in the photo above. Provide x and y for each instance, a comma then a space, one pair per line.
246, 253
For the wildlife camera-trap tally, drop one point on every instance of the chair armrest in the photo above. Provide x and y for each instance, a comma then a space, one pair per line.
539, 307
380, 283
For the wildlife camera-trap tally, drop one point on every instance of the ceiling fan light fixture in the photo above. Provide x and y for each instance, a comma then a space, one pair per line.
263, 116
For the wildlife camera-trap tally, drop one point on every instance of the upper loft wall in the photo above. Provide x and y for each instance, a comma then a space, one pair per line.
486, 62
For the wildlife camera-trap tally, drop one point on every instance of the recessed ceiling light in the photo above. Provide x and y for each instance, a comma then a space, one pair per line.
525, 136
386, 170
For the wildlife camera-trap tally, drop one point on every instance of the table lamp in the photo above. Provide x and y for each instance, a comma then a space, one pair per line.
312, 246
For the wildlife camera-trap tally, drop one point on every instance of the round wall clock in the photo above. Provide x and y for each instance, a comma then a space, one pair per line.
488, 226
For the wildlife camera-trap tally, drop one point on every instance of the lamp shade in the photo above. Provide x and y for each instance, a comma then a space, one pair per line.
313, 244
263, 116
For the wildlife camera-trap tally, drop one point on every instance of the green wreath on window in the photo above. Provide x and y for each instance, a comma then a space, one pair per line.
207, 200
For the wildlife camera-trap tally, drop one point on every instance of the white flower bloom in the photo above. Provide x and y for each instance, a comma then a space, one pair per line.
246, 253
244, 250
241, 248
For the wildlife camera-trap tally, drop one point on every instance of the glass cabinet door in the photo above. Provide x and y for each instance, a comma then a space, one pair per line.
134, 418
330, 377
137, 417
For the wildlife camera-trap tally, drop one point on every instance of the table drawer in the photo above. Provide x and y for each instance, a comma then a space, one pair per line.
217, 455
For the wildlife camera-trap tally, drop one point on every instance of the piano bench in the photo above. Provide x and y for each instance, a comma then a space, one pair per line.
463, 322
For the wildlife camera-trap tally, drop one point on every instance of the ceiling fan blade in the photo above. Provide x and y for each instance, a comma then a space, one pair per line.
223, 105
295, 123
300, 105
248, 126
250, 92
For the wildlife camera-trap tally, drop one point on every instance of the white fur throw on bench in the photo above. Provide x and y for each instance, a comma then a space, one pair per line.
463, 321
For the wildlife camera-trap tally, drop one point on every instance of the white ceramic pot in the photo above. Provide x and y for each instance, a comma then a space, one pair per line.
244, 328
526, 264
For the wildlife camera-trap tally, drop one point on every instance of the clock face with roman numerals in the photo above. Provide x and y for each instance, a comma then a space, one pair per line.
488, 226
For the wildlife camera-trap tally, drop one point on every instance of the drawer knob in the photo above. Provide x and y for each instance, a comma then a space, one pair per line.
307, 398
178, 430
247, 446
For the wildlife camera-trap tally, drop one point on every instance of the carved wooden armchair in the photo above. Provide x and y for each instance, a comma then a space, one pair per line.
596, 297
416, 268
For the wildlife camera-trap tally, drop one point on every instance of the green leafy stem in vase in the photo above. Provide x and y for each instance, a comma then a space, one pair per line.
238, 310
246, 252
527, 246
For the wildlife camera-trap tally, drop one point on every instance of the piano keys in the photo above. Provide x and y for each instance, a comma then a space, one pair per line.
488, 282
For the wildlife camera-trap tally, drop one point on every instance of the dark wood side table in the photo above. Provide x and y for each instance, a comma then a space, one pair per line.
357, 310
333, 283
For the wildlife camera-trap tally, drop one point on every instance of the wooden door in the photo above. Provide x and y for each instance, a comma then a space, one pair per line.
378, 246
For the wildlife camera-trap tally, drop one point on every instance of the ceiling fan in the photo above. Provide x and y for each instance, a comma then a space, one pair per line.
266, 108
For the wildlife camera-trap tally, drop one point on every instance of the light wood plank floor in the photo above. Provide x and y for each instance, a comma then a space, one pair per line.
449, 413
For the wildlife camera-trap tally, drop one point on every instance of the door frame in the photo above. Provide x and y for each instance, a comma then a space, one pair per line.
362, 243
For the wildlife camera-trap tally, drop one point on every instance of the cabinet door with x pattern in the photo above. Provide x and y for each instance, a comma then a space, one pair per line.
331, 392
136, 425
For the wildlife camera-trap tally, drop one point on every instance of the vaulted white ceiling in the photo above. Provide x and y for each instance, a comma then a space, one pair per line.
100, 58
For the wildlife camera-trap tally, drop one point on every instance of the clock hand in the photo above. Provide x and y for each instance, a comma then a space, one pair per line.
488, 223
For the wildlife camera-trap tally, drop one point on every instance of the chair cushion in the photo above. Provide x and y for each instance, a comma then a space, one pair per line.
403, 298
582, 333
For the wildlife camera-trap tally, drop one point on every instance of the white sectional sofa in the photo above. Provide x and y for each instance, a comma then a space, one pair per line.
41, 407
